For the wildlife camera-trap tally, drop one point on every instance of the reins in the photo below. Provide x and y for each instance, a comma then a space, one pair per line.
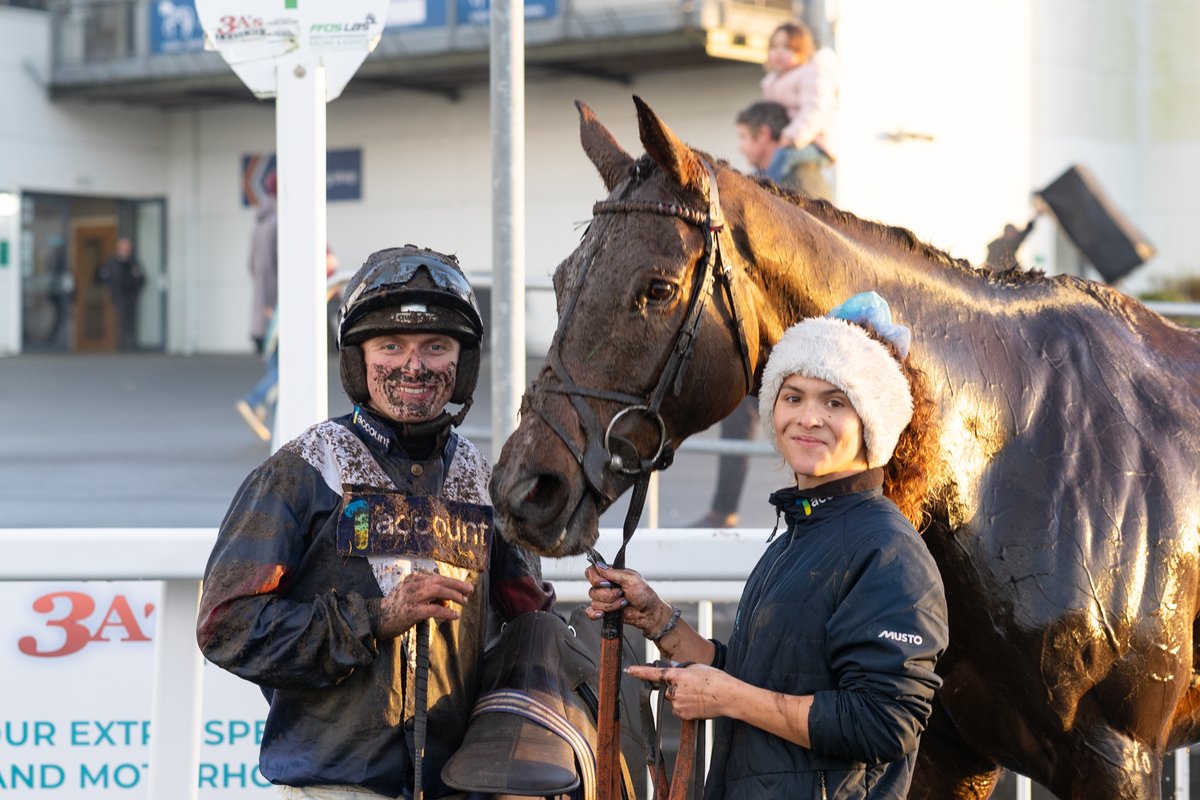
601, 464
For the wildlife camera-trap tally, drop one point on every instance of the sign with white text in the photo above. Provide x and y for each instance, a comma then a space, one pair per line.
78, 667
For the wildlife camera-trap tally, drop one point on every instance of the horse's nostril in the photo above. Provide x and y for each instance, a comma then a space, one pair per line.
542, 497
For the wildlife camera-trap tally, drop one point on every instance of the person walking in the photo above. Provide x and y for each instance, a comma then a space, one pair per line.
357, 576
828, 678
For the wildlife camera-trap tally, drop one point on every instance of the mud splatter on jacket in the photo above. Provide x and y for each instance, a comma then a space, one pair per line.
282, 609
847, 606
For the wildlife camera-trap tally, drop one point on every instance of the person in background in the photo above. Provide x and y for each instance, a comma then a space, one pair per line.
256, 407
1002, 251
828, 679
804, 81
124, 277
357, 572
760, 129
264, 263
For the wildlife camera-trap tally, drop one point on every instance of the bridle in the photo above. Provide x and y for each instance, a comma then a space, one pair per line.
606, 455
601, 464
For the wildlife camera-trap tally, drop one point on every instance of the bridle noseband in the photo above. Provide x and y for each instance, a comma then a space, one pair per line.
600, 462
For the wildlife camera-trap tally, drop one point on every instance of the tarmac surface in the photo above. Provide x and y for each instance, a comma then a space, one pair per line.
149, 440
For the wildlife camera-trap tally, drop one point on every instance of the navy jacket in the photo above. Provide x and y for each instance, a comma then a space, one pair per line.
847, 606
283, 609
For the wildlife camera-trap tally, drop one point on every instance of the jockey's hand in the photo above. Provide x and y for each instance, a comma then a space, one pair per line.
695, 692
617, 589
421, 596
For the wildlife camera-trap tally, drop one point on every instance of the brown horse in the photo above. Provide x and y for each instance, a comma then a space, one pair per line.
1063, 517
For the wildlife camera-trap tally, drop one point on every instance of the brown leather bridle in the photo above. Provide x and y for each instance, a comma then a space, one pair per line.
605, 468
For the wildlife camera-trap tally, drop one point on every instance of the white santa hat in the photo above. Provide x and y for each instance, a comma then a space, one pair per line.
843, 354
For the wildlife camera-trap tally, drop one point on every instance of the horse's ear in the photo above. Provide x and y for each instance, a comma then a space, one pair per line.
611, 161
672, 155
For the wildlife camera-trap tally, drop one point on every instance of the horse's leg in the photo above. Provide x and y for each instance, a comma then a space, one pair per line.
1109, 763
947, 768
1185, 723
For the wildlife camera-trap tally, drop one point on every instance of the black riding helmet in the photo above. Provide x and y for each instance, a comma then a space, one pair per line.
409, 289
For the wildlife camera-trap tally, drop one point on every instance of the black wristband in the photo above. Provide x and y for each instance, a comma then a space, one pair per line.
670, 626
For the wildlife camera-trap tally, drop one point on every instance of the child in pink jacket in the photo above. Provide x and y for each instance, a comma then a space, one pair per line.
804, 81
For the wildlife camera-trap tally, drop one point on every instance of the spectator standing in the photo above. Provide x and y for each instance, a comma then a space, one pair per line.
124, 277
264, 263
804, 81
258, 404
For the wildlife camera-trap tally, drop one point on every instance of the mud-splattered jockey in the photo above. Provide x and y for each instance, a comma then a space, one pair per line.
306, 596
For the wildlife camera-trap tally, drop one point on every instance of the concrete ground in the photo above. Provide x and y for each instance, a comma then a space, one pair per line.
150, 440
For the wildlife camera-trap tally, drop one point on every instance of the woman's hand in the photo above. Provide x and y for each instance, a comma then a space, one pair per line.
617, 589
695, 692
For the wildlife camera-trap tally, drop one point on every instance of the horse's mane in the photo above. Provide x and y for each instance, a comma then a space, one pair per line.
901, 237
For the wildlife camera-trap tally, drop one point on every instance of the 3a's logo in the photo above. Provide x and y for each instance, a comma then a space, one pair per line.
72, 612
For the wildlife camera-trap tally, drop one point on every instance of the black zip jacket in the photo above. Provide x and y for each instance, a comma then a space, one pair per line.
847, 606
283, 609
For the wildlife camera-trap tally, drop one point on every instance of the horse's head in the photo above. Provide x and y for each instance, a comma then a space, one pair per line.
656, 340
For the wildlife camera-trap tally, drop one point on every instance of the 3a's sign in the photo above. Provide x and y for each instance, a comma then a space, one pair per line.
71, 624
256, 37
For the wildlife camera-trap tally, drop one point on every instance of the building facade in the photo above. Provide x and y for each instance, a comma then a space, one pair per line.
952, 114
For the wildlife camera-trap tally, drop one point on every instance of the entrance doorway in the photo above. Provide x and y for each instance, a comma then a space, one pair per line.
95, 316
65, 240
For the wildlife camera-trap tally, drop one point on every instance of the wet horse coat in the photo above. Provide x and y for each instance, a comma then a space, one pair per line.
1063, 514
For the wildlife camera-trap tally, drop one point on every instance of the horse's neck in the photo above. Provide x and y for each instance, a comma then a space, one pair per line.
806, 268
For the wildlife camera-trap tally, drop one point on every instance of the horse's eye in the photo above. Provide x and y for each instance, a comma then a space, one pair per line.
659, 291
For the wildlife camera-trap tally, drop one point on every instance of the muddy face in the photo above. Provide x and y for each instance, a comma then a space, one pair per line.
411, 376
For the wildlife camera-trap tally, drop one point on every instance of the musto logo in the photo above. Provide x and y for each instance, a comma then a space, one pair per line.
903, 638
72, 613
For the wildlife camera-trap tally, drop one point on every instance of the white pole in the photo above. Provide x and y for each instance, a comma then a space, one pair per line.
300, 167
178, 694
508, 216
1183, 776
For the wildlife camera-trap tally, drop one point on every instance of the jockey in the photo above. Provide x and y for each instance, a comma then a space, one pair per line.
357, 576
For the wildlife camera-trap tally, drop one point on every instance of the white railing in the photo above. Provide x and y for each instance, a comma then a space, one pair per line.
701, 566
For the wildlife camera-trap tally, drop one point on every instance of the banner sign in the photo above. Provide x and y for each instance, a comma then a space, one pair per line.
174, 27
412, 14
343, 175
479, 12
78, 667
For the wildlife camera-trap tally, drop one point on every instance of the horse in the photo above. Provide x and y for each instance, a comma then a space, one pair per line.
1063, 511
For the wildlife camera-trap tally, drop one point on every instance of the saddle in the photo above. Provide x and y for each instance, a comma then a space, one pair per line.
533, 729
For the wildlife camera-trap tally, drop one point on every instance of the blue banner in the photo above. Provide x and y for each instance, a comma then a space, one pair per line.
413, 14
479, 12
174, 27
343, 175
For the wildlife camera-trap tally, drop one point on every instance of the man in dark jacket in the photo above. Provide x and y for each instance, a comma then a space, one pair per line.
124, 277
357, 576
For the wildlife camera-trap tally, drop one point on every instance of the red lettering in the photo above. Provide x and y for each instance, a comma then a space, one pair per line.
124, 619
79, 607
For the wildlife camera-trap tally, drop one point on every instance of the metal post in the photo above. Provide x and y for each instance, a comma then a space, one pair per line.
508, 216
300, 166
178, 694
1183, 776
